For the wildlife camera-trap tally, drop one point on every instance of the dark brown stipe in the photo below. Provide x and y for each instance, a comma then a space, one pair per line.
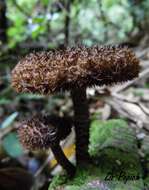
81, 122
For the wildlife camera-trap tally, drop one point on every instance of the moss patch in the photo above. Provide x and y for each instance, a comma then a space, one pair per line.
92, 177
116, 164
83, 175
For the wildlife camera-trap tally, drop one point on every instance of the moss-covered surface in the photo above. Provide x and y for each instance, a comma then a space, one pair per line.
93, 177
83, 175
114, 135
116, 164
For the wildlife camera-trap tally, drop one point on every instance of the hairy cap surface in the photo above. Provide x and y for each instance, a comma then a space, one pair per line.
76, 67
35, 134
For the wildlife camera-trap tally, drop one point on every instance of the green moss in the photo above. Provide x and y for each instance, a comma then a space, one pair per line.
113, 133
72, 187
83, 175
96, 115
146, 182
58, 180
92, 177
113, 148
145, 146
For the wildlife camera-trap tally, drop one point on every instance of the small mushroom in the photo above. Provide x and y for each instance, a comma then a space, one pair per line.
75, 69
43, 133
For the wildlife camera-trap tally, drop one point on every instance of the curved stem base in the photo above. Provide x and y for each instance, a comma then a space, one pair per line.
63, 161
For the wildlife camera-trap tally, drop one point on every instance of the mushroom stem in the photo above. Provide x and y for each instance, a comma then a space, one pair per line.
81, 122
62, 160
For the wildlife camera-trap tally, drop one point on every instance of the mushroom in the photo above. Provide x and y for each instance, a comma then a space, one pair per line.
75, 69
44, 132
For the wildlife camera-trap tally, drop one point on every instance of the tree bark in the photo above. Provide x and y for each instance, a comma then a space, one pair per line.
67, 21
3, 22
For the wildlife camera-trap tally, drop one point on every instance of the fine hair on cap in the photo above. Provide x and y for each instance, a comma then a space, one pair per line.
76, 67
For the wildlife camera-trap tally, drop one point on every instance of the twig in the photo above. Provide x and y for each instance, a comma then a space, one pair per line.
127, 114
119, 109
139, 104
67, 22
43, 165
123, 87
64, 8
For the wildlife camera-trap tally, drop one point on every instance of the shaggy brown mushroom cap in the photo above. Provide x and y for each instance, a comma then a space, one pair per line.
35, 134
77, 67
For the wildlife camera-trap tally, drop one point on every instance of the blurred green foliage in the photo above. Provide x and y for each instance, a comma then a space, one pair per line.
106, 21
10, 142
12, 145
